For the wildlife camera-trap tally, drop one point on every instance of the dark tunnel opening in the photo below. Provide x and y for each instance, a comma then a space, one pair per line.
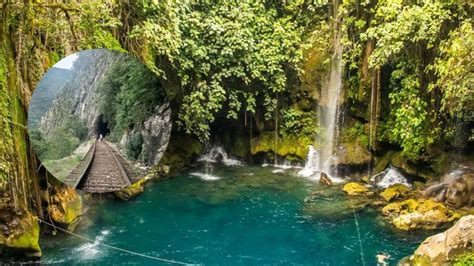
101, 127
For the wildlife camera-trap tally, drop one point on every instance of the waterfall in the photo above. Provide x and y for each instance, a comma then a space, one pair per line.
389, 177
329, 118
312, 163
329, 111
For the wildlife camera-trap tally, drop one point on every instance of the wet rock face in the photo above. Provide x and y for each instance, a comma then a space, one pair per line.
456, 189
442, 248
156, 135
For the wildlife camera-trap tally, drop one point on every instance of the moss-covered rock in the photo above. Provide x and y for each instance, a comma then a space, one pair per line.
353, 154
66, 207
181, 151
355, 189
419, 214
410, 167
285, 147
133, 190
395, 191
23, 235
382, 162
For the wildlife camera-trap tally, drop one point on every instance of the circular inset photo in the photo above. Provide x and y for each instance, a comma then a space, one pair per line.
98, 119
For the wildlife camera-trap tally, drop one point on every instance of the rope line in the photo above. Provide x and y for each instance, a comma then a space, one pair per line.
114, 247
358, 232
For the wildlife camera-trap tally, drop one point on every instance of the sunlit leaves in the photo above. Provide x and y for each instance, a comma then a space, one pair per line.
401, 25
455, 71
408, 120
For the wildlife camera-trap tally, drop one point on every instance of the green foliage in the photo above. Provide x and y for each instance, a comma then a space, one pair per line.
356, 133
464, 260
74, 126
96, 22
297, 123
133, 148
61, 142
224, 54
130, 94
455, 71
408, 123
400, 25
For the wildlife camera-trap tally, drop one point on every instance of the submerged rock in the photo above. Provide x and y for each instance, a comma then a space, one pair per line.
419, 214
355, 189
443, 248
66, 207
395, 191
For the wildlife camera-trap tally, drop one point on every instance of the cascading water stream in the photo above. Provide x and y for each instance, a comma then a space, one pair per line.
329, 112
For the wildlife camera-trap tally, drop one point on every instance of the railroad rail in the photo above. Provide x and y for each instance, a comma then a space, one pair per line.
101, 170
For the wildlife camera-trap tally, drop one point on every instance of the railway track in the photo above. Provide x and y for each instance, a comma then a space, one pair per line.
101, 170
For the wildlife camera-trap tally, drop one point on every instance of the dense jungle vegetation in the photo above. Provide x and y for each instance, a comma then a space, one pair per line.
408, 69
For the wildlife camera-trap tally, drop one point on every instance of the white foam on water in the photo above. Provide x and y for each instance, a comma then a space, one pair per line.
218, 154
205, 176
285, 166
391, 176
312, 169
91, 250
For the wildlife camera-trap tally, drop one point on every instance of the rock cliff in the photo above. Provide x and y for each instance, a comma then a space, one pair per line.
80, 95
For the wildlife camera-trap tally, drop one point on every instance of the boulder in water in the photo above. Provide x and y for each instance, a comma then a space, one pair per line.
132, 191
395, 191
355, 189
325, 180
442, 248
419, 214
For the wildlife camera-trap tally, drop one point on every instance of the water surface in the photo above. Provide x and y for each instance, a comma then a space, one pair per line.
242, 215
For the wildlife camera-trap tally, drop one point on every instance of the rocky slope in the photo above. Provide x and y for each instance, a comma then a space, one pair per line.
80, 96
